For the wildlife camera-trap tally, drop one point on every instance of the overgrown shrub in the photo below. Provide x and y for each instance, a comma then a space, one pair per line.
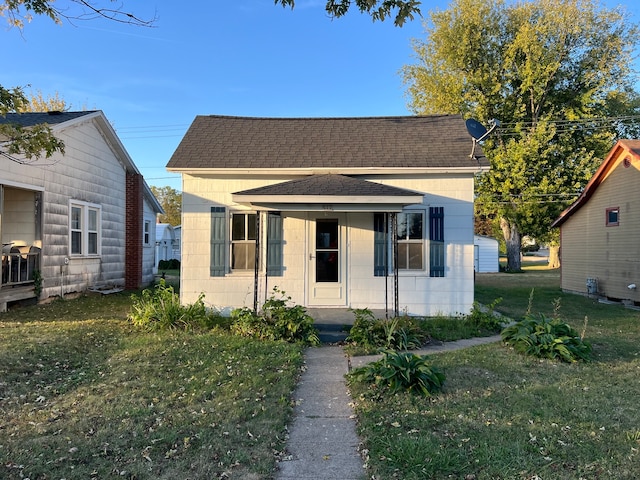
372, 334
546, 337
484, 318
276, 321
173, 264
401, 371
159, 308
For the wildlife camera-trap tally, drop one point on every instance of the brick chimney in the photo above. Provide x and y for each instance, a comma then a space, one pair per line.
133, 232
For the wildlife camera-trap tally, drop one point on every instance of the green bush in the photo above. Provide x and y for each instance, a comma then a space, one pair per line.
173, 264
276, 321
546, 337
401, 371
159, 308
484, 318
372, 334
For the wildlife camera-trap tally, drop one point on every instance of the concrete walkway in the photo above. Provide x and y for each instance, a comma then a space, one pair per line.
323, 443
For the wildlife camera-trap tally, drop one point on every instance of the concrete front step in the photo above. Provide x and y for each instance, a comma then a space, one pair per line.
331, 332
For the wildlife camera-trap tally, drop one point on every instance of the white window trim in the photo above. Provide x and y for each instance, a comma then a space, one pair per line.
424, 242
240, 271
85, 207
146, 233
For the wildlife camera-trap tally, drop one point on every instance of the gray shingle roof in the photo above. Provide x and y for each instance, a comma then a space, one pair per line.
221, 142
35, 118
329, 185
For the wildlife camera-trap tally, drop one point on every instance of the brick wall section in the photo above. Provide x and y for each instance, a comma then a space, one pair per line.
133, 232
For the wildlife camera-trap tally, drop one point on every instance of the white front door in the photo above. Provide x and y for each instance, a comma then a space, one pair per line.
327, 260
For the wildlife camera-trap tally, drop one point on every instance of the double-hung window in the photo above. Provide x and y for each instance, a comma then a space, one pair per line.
243, 241
146, 236
412, 231
410, 240
234, 239
84, 228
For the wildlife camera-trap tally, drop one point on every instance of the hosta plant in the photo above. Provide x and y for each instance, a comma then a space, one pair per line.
401, 371
372, 334
546, 337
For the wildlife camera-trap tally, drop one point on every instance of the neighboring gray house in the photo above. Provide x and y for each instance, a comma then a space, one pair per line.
371, 212
77, 220
177, 248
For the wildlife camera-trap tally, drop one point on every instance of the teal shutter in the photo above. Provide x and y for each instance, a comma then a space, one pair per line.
275, 245
380, 253
436, 241
218, 242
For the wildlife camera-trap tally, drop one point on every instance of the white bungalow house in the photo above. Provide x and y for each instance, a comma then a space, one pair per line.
75, 220
336, 212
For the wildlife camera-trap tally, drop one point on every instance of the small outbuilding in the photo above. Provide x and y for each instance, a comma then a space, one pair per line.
486, 258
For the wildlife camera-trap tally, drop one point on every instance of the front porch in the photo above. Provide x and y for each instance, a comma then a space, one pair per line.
15, 293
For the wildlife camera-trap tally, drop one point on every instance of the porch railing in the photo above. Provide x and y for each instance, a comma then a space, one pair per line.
18, 268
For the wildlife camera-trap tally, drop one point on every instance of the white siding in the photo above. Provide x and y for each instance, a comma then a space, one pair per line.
419, 294
487, 258
89, 172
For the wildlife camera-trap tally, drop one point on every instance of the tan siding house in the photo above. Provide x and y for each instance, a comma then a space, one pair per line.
75, 219
337, 212
600, 231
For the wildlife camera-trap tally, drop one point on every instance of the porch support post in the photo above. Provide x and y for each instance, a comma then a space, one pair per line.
386, 265
394, 239
256, 268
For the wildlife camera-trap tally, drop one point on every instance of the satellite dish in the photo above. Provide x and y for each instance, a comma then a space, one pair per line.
475, 129
479, 132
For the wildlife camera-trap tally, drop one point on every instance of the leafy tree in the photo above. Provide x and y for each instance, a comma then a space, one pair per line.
558, 76
171, 201
37, 102
378, 9
33, 142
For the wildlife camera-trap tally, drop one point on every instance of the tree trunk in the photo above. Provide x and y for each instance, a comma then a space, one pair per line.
512, 238
554, 256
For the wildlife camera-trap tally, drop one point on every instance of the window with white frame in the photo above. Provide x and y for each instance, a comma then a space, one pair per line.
410, 235
84, 228
146, 236
243, 241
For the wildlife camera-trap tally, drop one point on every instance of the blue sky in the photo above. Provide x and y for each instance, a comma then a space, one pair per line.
232, 57
237, 57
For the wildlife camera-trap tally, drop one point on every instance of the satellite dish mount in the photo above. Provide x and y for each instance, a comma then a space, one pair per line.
479, 132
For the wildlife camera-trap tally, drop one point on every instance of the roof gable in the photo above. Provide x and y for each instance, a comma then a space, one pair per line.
221, 142
624, 150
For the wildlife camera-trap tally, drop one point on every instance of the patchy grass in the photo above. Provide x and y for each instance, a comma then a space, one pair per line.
507, 416
85, 395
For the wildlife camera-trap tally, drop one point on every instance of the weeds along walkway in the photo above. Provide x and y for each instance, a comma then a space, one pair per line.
323, 443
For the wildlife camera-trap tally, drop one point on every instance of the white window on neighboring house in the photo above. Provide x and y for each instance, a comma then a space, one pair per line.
146, 237
84, 228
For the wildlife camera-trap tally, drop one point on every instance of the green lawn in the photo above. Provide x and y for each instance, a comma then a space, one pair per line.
505, 416
83, 395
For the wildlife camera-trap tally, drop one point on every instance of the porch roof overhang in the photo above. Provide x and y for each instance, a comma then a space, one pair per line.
330, 192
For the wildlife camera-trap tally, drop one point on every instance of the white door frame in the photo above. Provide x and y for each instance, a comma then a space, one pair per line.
327, 293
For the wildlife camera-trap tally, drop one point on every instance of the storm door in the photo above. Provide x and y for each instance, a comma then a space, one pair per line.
326, 261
